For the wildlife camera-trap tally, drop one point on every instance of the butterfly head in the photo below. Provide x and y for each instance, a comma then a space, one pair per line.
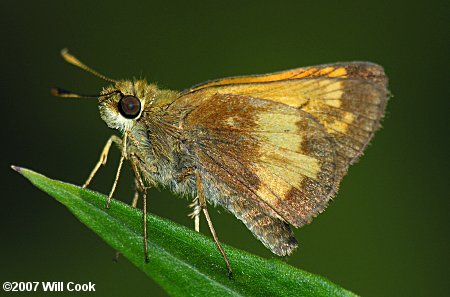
122, 103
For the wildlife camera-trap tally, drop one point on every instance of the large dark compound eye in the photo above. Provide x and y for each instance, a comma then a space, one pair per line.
129, 107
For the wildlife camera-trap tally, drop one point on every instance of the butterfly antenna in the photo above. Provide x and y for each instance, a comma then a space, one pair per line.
71, 59
58, 92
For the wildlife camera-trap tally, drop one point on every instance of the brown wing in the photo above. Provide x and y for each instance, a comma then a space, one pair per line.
278, 156
268, 163
273, 148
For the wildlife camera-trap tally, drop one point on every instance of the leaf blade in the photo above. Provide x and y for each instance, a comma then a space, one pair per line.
182, 261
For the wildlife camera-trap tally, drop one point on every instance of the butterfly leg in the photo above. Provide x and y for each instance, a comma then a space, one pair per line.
136, 195
119, 168
103, 158
134, 205
202, 202
140, 187
195, 214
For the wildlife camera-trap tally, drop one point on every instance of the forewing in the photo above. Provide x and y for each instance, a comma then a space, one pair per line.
348, 99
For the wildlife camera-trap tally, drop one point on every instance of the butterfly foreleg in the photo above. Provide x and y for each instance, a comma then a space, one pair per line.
103, 157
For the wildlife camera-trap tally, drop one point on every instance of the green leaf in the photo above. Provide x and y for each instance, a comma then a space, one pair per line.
182, 261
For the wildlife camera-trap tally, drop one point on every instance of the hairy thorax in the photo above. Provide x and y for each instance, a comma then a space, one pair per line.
161, 147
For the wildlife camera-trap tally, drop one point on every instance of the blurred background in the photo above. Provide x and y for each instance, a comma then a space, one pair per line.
386, 233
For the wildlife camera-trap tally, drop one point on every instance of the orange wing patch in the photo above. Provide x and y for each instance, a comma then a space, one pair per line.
361, 70
335, 70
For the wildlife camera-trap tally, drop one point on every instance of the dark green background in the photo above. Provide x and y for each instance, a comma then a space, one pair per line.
386, 233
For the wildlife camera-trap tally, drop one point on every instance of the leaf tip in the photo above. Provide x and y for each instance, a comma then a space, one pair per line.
16, 168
